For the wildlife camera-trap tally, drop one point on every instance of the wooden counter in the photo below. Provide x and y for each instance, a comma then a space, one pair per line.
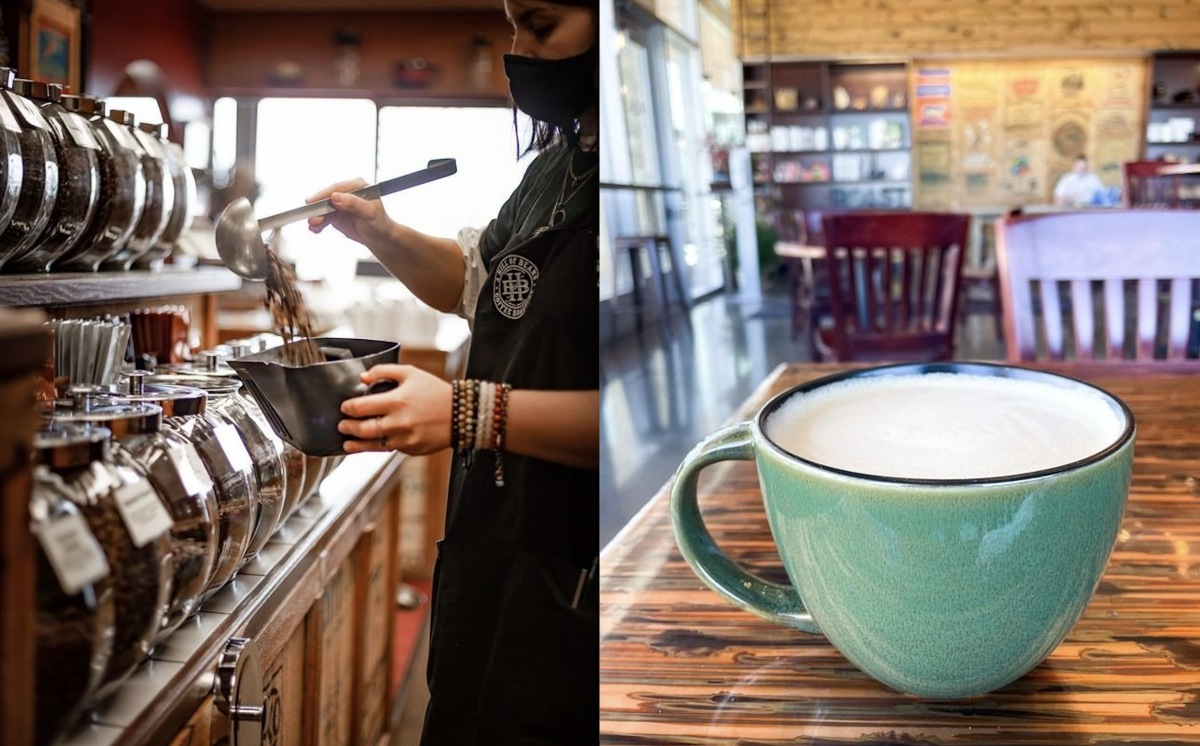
681, 666
314, 601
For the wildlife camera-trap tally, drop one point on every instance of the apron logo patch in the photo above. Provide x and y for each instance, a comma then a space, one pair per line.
513, 286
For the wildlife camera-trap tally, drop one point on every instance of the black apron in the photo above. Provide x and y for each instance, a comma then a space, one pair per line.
510, 661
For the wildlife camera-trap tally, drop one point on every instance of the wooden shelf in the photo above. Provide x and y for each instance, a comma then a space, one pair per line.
839, 112
831, 182
89, 288
816, 81
382, 96
839, 152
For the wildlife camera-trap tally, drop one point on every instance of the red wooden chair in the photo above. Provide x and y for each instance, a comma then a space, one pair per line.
893, 285
1147, 184
1119, 282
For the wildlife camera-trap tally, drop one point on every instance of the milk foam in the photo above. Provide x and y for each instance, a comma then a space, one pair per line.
944, 425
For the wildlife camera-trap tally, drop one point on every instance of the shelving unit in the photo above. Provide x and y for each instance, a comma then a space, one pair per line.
826, 135
317, 605
1175, 74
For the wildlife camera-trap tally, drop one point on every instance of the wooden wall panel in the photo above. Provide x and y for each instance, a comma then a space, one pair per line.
244, 48
898, 28
167, 32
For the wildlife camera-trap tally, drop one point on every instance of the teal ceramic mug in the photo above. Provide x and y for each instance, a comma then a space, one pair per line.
940, 588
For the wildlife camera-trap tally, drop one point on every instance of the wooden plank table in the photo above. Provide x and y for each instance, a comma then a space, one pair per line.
679, 666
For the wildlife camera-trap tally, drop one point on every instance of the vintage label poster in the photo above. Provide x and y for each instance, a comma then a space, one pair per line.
1071, 87
1025, 100
1014, 126
931, 99
1024, 166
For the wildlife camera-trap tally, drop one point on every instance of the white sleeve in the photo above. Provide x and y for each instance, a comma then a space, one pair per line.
1060, 189
474, 275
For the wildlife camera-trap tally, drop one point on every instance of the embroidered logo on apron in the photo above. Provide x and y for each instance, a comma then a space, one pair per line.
513, 286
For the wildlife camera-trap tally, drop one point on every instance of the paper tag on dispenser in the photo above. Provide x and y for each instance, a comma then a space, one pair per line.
7, 120
29, 112
73, 551
191, 472
80, 131
144, 514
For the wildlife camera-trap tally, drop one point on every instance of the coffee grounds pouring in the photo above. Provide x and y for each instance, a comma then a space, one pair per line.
288, 313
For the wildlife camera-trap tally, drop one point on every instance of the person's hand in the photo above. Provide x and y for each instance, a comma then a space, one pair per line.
414, 417
361, 220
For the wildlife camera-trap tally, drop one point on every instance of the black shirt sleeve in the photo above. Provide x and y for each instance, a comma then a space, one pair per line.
498, 232
517, 210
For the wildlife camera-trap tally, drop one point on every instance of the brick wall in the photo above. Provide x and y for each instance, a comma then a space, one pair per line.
843, 29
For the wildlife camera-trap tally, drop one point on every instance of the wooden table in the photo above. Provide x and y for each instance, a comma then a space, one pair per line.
680, 666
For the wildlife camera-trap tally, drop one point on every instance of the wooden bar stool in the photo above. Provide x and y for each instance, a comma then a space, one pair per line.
654, 246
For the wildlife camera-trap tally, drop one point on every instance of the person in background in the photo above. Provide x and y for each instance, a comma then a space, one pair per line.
514, 621
1079, 186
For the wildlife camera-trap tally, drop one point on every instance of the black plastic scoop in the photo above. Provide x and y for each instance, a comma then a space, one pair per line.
304, 403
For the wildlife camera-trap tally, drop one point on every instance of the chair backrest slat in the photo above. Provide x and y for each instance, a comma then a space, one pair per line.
1114, 310
904, 270
889, 305
1179, 320
1118, 247
1082, 315
1147, 305
1052, 314
903, 301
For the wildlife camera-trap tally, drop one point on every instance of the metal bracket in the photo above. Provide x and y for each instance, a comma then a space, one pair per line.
237, 718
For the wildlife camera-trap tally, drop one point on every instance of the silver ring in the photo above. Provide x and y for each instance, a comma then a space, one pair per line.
378, 427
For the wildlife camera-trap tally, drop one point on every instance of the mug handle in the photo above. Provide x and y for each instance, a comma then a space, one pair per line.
772, 601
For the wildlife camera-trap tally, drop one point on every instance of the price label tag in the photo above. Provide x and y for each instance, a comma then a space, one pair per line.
144, 514
28, 112
7, 120
191, 472
80, 131
73, 551
235, 449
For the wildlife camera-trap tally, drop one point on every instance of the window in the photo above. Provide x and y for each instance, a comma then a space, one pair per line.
302, 146
480, 139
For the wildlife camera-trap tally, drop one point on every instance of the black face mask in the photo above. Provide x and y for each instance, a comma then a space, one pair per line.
552, 91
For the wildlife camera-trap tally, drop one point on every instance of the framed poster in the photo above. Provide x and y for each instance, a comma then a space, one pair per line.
51, 48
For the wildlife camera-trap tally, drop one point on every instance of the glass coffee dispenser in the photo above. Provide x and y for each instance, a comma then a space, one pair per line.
39, 179
78, 156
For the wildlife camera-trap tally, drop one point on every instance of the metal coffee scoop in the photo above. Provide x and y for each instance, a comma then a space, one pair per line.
239, 233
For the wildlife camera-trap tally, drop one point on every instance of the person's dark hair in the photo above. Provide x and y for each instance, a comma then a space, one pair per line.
543, 135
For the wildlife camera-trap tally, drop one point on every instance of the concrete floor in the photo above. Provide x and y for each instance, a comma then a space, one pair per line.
659, 397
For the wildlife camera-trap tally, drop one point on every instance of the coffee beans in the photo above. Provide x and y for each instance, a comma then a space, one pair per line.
290, 315
74, 631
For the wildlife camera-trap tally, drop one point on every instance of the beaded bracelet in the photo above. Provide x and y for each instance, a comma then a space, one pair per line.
479, 419
454, 414
499, 423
